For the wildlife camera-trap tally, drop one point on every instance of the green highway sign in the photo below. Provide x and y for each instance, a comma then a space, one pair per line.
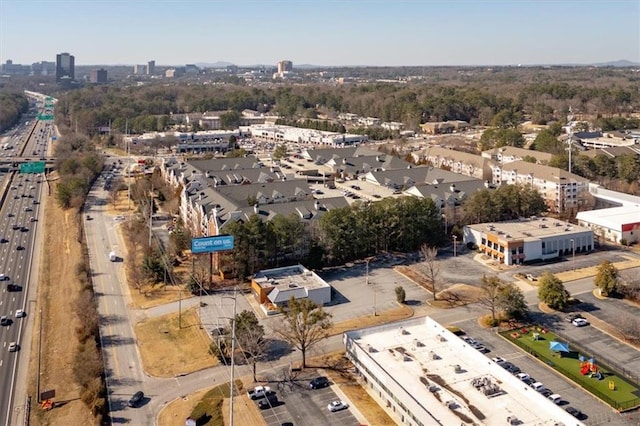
43, 117
33, 167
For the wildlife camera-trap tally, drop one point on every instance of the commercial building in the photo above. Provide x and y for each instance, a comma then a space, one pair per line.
98, 76
529, 239
282, 134
439, 127
139, 69
422, 374
65, 66
151, 67
285, 66
9, 68
618, 224
273, 288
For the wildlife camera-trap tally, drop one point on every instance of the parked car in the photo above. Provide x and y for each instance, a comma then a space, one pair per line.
531, 277
523, 376
268, 402
136, 399
570, 318
319, 382
538, 386
580, 322
498, 360
337, 406
556, 398
574, 412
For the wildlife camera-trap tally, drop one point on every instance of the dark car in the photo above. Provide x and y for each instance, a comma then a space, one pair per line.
268, 402
319, 382
14, 287
19, 248
574, 412
136, 399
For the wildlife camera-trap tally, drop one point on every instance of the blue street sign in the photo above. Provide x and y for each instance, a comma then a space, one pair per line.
212, 244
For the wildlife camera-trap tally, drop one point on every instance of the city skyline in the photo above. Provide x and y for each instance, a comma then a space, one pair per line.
323, 33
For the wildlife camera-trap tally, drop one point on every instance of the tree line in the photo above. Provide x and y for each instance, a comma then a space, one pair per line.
12, 106
497, 101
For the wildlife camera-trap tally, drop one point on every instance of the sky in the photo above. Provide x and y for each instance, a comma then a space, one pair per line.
321, 32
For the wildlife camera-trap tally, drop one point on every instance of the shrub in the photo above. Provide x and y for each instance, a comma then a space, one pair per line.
401, 296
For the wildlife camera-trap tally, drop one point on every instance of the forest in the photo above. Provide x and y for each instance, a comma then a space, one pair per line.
12, 106
500, 98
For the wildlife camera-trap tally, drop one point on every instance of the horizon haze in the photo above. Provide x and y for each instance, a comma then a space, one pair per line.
322, 33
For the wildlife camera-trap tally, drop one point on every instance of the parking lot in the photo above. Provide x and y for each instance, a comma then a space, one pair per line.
299, 405
595, 412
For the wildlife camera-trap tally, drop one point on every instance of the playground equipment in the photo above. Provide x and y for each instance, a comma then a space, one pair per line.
612, 385
591, 369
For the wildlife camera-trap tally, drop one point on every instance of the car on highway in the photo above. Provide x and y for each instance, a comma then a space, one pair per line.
3, 277
14, 347
10, 214
4, 320
20, 313
337, 405
580, 322
319, 382
14, 287
15, 226
3, 240
20, 248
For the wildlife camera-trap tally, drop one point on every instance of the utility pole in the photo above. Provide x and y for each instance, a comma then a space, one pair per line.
150, 215
233, 349
128, 151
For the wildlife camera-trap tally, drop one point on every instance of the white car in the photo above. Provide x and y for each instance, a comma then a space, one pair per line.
499, 360
337, 406
523, 376
13, 347
556, 398
580, 322
20, 313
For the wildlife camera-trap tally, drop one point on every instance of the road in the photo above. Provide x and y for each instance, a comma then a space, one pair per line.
19, 222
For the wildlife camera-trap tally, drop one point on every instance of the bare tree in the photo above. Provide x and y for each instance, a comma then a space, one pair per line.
135, 273
304, 324
431, 267
629, 327
491, 295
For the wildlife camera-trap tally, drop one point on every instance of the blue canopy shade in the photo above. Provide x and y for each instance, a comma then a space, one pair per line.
558, 346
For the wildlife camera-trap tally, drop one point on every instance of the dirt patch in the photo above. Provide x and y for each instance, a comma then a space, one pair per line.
456, 295
340, 371
391, 315
170, 346
177, 411
58, 287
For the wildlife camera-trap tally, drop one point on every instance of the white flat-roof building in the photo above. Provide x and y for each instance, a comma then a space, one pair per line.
280, 133
425, 375
528, 240
275, 287
613, 224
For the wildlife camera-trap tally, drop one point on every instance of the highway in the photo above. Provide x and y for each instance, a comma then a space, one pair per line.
19, 222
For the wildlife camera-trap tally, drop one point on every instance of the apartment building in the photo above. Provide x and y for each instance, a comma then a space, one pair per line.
509, 154
464, 163
561, 190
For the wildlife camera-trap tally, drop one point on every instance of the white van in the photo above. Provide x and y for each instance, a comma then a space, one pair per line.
538, 386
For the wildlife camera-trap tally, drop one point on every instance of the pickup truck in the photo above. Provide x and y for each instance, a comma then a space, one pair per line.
259, 392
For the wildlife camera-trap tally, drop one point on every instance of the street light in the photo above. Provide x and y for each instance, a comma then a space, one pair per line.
455, 240
573, 254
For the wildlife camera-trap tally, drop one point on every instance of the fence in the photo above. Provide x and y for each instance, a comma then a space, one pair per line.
618, 405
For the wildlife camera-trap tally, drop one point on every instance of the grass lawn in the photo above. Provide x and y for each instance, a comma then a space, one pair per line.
625, 395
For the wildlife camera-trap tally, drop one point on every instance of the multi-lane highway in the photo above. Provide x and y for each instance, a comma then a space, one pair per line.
20, 214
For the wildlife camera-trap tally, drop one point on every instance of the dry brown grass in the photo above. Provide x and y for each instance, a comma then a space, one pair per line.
57, 290
167, 349
456, 295
395, 314
245, 411
340, 373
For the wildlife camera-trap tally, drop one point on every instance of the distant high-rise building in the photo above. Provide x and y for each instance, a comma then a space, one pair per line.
43, 68
151, 67
98, 76
285, 66
139, 69
65, 66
